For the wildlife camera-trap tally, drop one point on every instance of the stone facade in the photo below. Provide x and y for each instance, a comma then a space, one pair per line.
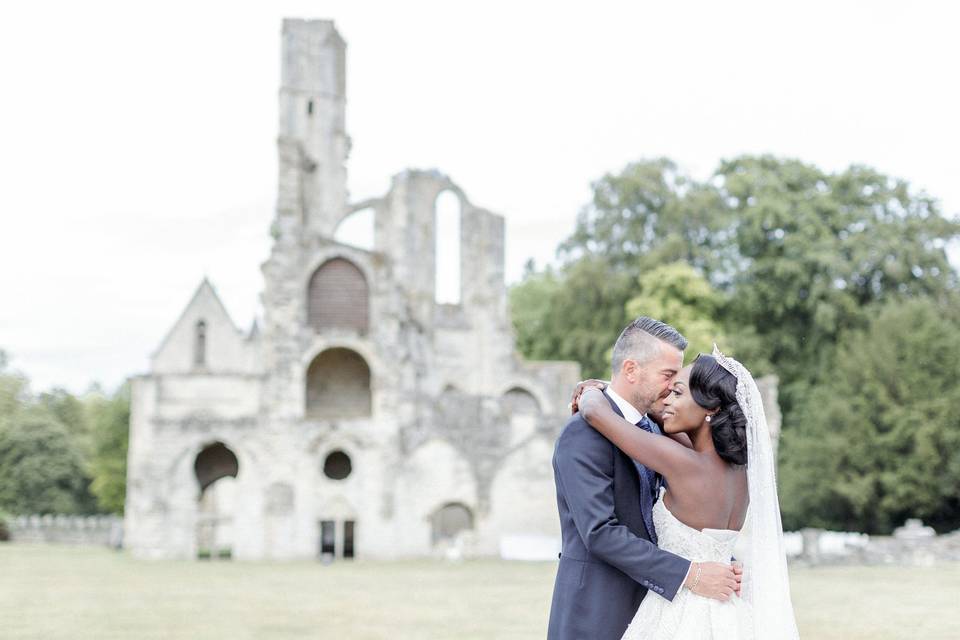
364, 418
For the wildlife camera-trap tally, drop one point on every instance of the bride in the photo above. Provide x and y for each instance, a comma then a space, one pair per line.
717, 462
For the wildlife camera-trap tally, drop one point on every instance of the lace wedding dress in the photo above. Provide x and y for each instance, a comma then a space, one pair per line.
689, 616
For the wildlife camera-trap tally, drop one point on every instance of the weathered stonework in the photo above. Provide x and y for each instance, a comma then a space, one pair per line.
450, 443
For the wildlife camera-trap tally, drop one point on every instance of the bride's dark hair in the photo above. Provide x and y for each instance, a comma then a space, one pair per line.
713, 387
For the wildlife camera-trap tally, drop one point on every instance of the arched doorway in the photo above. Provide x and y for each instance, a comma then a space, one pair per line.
449, 521
216, 468
338, 385
517, 401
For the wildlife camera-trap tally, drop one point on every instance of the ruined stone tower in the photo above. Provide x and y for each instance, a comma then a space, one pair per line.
368, 416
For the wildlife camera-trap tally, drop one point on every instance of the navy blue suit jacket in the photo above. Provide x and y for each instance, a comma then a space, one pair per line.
608, 563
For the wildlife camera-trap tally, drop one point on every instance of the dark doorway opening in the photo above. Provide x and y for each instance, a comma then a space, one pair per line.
348, 532
328, 540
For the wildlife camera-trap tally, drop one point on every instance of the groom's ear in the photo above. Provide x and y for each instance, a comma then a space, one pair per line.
629, 370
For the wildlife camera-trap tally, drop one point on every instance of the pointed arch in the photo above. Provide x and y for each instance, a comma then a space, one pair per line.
338, 297
357, 229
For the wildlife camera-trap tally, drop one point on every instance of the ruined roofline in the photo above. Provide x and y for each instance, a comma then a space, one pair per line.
313, 27
441, 180
204, 285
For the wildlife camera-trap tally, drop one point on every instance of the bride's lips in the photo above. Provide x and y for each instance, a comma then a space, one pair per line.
665, 415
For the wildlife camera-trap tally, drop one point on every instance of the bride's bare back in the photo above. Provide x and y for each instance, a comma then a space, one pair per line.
713, 497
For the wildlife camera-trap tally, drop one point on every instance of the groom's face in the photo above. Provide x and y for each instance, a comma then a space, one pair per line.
652, 380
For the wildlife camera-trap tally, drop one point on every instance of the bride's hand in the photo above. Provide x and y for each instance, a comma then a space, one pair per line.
578, 391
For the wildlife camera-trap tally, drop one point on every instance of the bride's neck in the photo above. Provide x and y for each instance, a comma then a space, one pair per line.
702, 439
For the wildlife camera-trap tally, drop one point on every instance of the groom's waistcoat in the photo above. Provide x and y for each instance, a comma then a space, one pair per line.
607, 563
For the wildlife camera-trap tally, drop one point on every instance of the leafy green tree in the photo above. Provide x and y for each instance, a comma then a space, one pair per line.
677, 294
71, 412
879, 440
41, 468
14, 390
110, 420
798, 263
817, 249
575, 314
650, 214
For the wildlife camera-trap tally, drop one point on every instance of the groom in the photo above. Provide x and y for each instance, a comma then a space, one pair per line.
610, 558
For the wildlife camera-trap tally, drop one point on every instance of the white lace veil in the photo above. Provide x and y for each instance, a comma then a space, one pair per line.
765, 582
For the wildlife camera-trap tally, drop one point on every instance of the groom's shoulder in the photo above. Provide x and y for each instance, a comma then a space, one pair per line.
576, 432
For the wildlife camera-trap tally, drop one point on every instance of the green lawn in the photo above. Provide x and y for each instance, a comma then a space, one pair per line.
57, 592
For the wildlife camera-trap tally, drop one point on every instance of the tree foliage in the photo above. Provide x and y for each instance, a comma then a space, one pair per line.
41, 468
678, 295
817, 250
110, 423
575, 314
60, 453
780, 259
878, 440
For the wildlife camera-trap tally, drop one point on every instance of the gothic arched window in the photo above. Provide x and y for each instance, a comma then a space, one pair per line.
338, 297
447, 209
200, 344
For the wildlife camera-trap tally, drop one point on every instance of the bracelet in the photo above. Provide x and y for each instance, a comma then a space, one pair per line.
696, 580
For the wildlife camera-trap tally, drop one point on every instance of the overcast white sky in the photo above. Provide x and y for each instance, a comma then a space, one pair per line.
137, 139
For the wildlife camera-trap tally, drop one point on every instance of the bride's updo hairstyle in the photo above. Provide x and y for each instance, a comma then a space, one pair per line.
713, 387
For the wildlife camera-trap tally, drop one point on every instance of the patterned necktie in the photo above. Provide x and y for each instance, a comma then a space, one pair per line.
648, 488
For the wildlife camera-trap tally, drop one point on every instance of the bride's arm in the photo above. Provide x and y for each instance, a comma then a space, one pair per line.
663, 455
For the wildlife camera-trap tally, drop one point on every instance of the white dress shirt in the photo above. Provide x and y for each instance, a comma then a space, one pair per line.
629, 411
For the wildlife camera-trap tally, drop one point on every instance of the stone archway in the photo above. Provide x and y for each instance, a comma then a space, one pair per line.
449, 521
338, 385
216, 468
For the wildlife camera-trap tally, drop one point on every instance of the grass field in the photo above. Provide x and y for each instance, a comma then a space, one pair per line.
57, 592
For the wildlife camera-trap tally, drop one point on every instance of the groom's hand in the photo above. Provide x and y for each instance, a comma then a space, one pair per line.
578, 391
713, 580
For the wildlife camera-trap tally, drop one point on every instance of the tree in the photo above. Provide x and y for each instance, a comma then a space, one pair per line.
879, 440
110, 422
816, 250
802, 260
575, 314
41, 469
71, 413
651, 214
678, 295
14, 390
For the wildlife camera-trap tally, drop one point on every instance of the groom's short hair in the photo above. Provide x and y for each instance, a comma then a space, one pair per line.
638, 341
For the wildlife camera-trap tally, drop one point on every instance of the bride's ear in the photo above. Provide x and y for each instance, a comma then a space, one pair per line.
711, 413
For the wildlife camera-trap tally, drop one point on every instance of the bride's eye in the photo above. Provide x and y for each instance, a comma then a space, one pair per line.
675, 392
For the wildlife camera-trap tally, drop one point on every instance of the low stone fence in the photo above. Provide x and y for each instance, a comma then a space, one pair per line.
912, 544
61, 529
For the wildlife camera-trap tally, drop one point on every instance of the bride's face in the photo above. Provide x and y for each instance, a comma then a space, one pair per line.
680, 412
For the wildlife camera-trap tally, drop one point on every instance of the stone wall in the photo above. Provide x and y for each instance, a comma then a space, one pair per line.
61, 529
910, 545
